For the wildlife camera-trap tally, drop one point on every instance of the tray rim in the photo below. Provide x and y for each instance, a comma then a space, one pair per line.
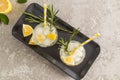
55, 62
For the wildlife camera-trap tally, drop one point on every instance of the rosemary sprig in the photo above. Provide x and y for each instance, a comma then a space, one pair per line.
65, 44
32, 18
75, 32
51, 12
51, 18
62, 29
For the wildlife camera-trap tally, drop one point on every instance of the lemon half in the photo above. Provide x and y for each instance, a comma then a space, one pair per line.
5, 6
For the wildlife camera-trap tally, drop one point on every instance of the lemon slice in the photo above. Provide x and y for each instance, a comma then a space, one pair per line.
5, 6
40, 38
27, 30
69, 60
52, 36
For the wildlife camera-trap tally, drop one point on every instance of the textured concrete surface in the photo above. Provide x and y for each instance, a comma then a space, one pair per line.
18, 62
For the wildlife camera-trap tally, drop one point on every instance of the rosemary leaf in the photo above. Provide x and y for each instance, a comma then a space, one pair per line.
56, 12
75, 32
65, 44
51, 18
31, 15
32, 20
62, 29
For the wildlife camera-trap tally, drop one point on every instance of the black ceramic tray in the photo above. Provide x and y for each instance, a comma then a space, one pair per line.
52, 53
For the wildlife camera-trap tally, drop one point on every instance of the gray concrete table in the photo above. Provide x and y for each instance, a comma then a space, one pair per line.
18, 62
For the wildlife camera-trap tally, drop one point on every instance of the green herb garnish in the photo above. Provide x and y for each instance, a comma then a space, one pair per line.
51, 18
62, 29
21, 1
51, 13
4, 18
32, 18
65, 44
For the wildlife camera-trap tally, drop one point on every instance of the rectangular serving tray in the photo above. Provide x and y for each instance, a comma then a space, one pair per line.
52, 53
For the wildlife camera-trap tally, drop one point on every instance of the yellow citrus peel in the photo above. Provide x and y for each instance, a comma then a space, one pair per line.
5, 6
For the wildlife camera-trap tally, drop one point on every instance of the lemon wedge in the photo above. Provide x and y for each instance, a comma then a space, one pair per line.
52, 36
27, 30
5, 6
31, 42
